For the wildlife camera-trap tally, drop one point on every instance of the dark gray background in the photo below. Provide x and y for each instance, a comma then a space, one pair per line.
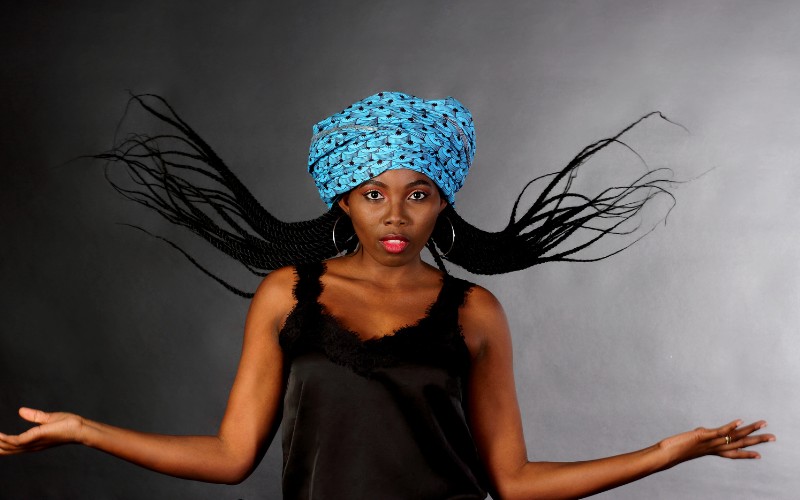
695, 325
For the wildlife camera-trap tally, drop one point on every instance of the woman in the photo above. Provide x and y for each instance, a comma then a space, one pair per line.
392, 379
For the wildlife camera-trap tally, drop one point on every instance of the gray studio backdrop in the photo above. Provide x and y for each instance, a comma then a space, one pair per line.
694, 325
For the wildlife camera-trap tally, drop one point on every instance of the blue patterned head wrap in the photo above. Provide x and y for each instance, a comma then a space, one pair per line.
388, 131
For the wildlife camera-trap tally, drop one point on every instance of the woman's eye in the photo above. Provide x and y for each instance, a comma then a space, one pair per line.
373, 195
418, 195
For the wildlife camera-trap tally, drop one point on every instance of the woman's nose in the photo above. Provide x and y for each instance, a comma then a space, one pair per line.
395, 214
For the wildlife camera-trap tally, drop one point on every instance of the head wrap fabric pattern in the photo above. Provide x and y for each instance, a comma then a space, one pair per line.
388, 131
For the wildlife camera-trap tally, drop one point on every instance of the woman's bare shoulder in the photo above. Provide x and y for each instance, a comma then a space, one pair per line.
275, 295
281, 281
480, 301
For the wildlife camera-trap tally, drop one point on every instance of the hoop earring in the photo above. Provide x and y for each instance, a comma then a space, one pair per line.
333, 237
452, 238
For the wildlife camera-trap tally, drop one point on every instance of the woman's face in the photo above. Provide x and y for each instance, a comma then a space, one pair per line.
393, 214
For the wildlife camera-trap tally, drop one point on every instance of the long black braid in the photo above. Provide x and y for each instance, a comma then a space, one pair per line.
180, 176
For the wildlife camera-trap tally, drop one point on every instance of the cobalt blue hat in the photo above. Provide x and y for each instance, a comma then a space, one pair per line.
388, 131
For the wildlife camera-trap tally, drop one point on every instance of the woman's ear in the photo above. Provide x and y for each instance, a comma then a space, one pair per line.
442, 199
344, 202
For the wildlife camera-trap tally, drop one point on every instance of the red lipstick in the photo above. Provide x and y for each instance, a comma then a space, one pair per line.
394, 243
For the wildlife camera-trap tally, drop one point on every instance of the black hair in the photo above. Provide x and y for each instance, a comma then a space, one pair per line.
179, 175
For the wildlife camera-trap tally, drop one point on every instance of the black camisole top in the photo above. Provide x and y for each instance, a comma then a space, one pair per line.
382, 418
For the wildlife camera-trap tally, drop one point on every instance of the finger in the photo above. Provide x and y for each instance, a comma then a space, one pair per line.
740, 436
752, 440
26, 438
728, 428
718, 432
4, 443
27, 441
748, 429
8, 448
737, 454
22, 441
35, 416
717, 436
15, 450
9, 444
736, 450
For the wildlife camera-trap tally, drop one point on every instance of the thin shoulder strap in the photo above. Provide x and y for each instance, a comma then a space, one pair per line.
453, 295
308, 287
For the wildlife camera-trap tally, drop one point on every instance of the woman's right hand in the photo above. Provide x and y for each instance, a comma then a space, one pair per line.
52, 429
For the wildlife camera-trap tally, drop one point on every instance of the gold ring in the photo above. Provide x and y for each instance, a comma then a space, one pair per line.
728, 439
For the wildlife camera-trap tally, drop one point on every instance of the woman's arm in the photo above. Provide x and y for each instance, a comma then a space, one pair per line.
250, 420
497, 425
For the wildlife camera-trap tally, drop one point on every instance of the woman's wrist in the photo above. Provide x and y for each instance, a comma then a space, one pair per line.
86, 432
673, 450
662, 456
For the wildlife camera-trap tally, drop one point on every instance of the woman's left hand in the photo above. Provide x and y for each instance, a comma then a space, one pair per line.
728, 441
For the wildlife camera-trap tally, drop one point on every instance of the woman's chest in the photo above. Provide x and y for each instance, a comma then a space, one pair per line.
376, 313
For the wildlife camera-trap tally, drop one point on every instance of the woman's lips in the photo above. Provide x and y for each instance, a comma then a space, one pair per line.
394, 243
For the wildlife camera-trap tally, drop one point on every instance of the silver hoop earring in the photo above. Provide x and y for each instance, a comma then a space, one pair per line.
452, 238
333, 237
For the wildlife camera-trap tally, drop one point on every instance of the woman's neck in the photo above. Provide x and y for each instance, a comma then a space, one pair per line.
361, 265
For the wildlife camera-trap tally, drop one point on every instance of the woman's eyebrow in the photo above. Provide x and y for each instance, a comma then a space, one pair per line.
420, 182
373, 182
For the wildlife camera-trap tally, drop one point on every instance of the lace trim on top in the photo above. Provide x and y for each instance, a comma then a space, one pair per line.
434, 340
